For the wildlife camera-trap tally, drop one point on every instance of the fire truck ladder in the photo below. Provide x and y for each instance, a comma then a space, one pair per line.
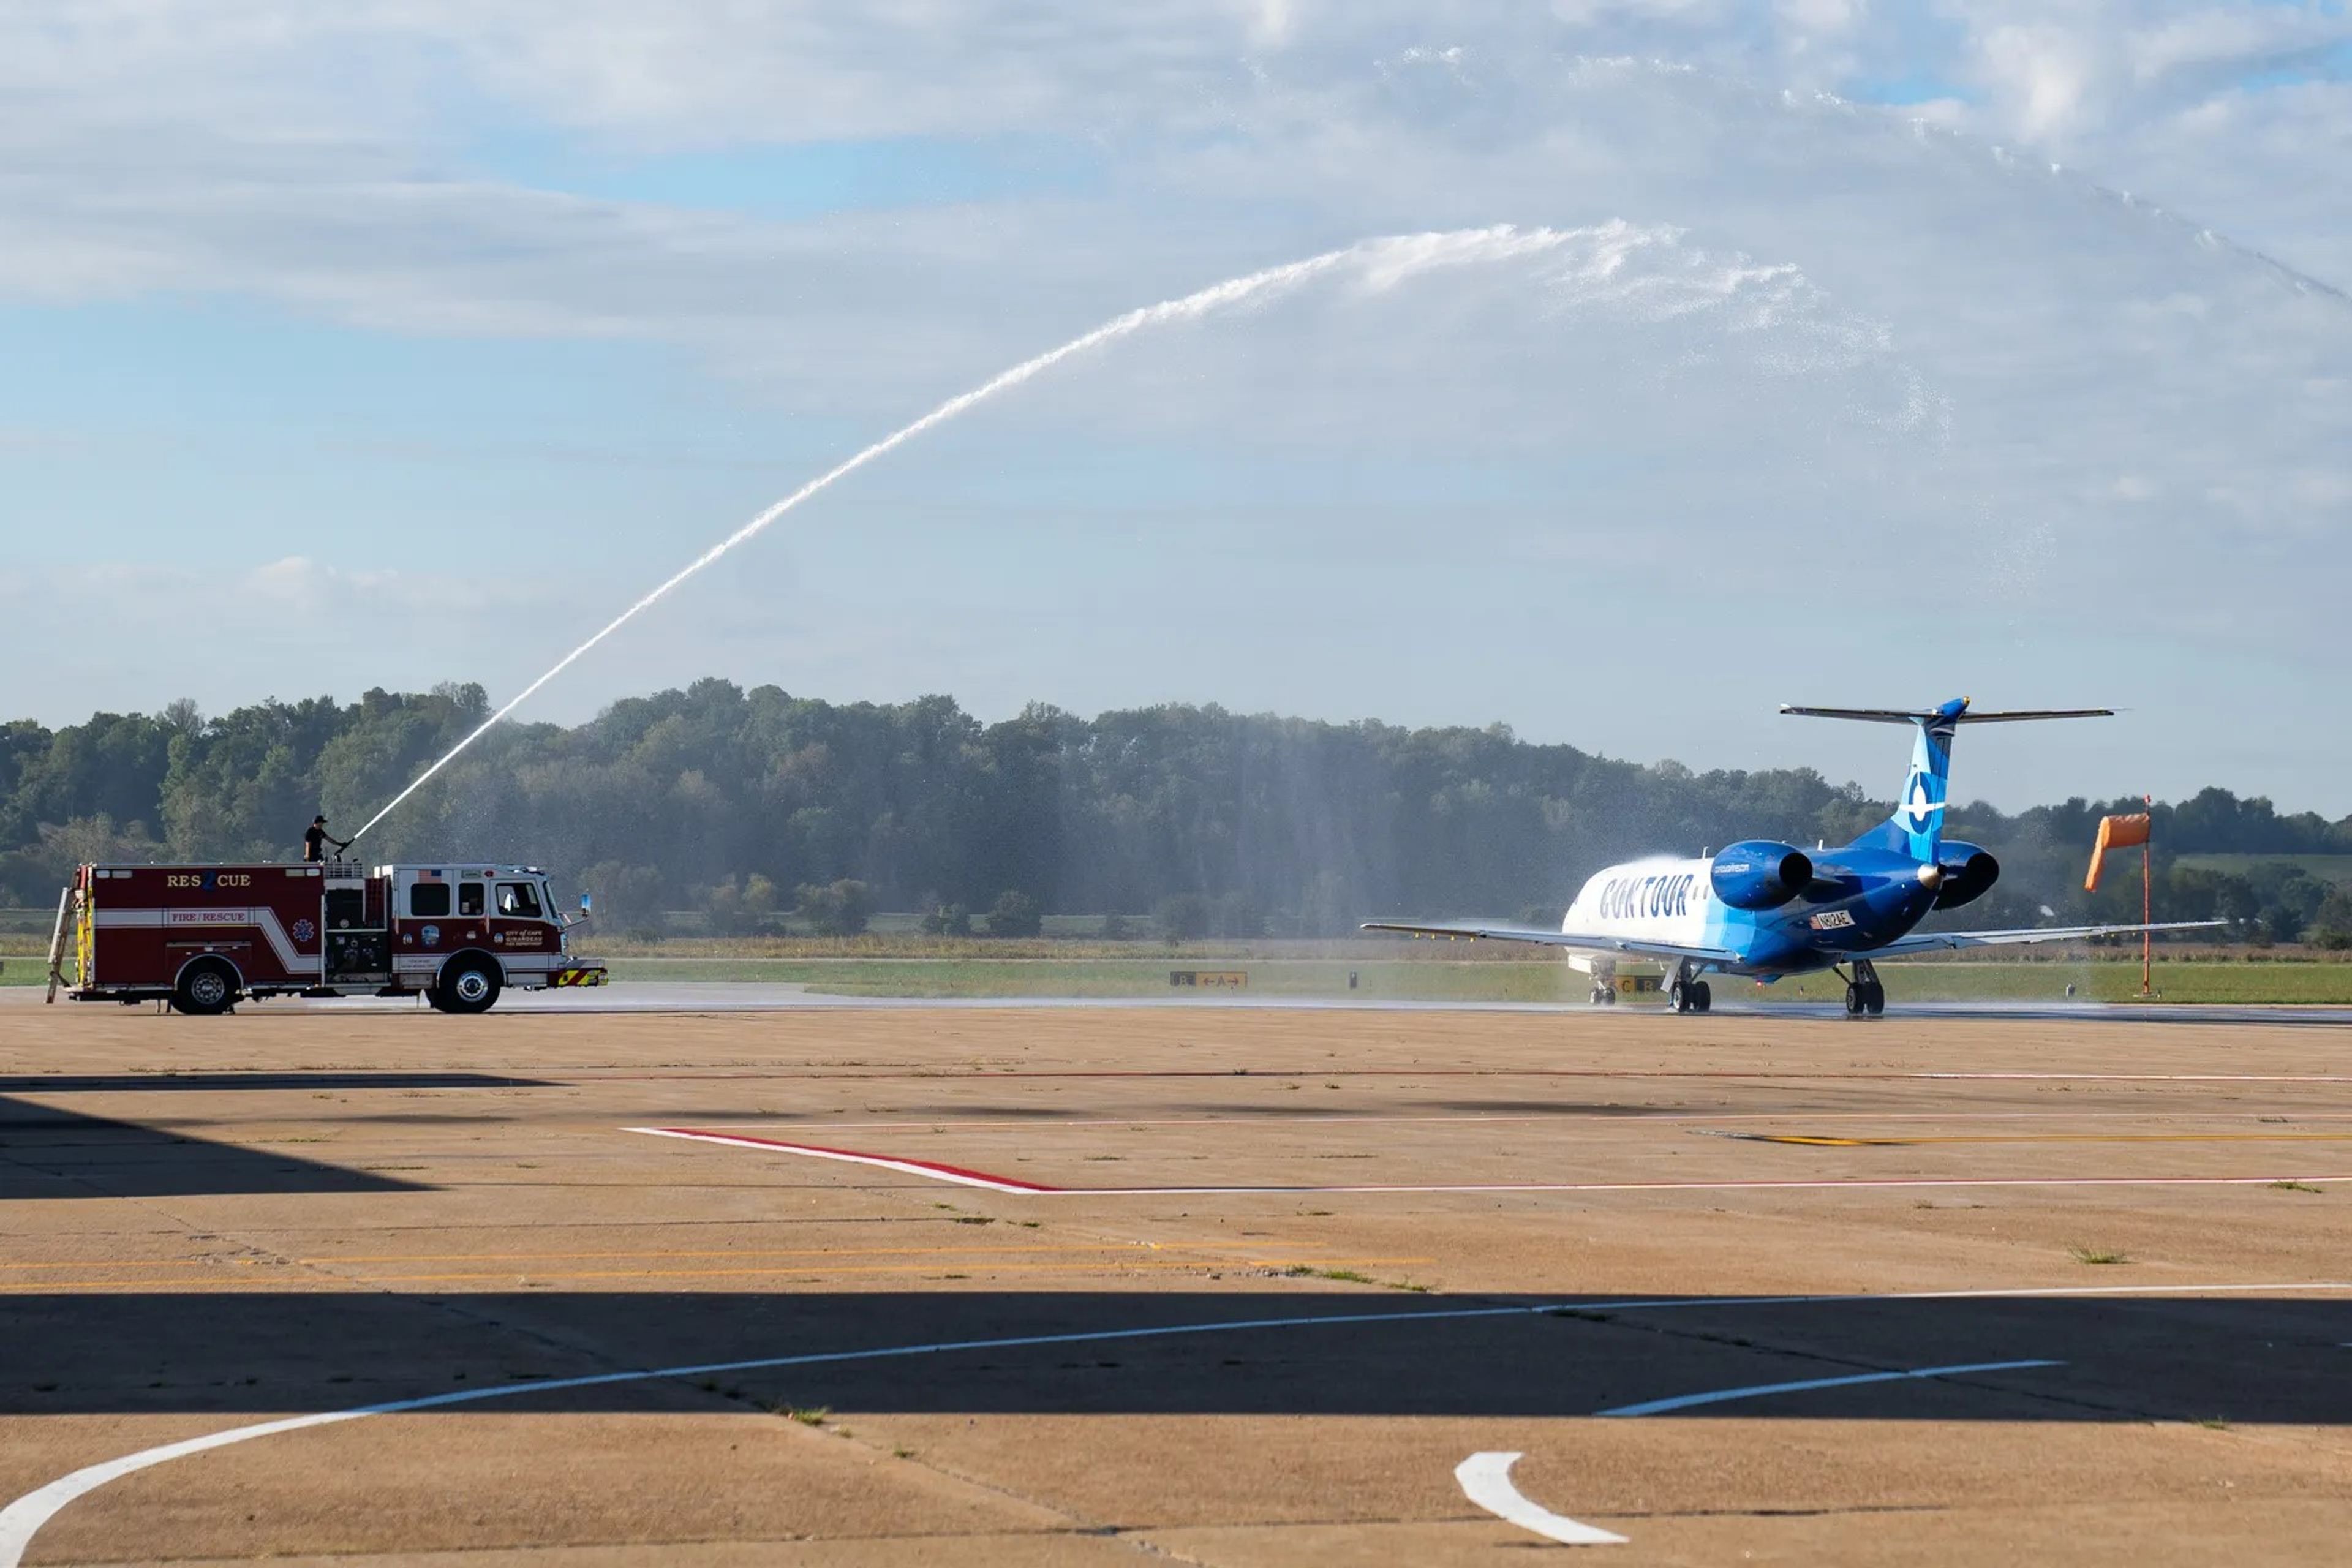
57, 944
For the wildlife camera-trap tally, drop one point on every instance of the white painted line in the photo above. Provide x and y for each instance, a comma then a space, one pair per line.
1577, 1119
960, 1176
2124, 1077
2032, 1293
1487, 1480
1757, 1391
1859, 1185
23, 1518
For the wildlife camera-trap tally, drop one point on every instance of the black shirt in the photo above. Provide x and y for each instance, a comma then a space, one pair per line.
314, 843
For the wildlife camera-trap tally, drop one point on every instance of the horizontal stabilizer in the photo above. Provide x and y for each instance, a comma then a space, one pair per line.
1930, 715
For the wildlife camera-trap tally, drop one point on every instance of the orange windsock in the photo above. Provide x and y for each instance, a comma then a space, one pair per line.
2114, 832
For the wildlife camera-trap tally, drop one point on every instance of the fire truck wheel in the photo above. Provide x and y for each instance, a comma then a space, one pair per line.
206, 988
471, 987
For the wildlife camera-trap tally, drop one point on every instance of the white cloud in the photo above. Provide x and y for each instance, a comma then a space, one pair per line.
304, 586
2044, 77
2216, 41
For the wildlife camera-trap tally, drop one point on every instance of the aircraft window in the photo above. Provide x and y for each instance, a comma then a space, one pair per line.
429, 900
520, 900
469, 899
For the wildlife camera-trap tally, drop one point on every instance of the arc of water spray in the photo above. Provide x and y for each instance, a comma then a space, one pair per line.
1387, 260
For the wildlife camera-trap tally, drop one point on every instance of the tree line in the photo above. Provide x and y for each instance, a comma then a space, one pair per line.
745, 806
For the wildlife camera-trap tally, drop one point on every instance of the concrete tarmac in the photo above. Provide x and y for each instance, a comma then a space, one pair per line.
1232, 1285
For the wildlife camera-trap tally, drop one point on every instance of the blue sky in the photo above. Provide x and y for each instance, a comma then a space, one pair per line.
386, 346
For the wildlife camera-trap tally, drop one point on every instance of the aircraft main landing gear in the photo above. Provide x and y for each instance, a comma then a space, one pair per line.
1864, 993
1689, 994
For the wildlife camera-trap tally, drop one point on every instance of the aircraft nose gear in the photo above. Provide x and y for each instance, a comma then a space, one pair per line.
1864, 994
1689, 994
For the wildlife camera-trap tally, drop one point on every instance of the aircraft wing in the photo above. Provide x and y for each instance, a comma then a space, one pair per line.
1583, 941
1947, 941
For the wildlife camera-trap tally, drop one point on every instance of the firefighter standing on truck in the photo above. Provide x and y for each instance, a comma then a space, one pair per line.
315, 842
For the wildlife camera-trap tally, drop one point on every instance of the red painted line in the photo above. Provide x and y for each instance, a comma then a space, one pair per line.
930, 1168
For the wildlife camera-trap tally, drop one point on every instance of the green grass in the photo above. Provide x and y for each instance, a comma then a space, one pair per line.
2225, 981
2246, 981
1351, 1277
1507, 980
807, 1415
2335, 869
2098, 1255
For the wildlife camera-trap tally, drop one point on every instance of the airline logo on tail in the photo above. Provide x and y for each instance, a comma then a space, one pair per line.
1916, 804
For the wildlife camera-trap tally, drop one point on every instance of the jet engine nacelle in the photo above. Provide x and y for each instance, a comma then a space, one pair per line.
1760, 874
1968, 873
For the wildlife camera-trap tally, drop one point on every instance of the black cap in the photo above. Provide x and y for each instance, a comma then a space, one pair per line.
319, 820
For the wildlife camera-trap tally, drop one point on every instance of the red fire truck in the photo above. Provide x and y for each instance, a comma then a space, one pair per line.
203, 937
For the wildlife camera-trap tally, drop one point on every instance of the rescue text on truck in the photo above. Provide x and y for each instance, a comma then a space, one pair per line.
203, 938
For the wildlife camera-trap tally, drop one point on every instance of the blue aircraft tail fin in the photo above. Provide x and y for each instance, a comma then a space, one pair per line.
1918, 825
1917, 828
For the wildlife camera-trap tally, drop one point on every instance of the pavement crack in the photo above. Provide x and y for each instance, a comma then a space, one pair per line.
1074, 1524
1832, 1511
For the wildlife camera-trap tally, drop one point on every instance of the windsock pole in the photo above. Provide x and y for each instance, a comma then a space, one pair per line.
2147, 902
2121, 833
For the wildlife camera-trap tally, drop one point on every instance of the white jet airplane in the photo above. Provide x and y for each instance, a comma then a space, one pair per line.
1768, 910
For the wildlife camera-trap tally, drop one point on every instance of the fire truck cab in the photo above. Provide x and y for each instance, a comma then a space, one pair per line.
203, 937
